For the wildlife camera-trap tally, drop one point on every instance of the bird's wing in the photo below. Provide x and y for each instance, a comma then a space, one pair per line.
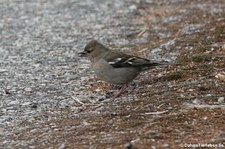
119, 59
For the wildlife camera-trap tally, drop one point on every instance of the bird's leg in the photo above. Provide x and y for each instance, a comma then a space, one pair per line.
133, 85
123, 88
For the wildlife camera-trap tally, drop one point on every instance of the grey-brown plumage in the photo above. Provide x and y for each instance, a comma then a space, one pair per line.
116, 67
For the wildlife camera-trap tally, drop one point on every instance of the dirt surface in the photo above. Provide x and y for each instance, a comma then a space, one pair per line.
49, 98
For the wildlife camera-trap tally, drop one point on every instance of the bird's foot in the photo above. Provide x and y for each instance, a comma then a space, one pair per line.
122, 90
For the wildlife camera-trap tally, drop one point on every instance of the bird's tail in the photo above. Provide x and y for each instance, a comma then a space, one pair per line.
151, 65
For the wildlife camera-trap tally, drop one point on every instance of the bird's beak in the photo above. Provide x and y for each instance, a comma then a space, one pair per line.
83, 54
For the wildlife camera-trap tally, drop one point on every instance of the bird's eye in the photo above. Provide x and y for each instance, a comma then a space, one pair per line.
89, 50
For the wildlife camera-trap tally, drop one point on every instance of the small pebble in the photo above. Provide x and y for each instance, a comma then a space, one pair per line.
28, 89
133, 7
62, 146
128, 146
3, 70
190, 90
182, 95
221, 77
221, 100
166, 145
205, 118
114, 114
208, 95
196, 101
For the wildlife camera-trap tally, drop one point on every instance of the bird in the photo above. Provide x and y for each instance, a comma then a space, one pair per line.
116, 67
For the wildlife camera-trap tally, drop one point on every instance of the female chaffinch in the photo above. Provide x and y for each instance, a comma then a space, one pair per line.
116, 67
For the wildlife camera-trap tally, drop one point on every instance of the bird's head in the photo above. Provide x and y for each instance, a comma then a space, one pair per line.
94, 50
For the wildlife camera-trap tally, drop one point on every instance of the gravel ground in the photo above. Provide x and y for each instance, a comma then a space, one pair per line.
42, 76
39, 45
